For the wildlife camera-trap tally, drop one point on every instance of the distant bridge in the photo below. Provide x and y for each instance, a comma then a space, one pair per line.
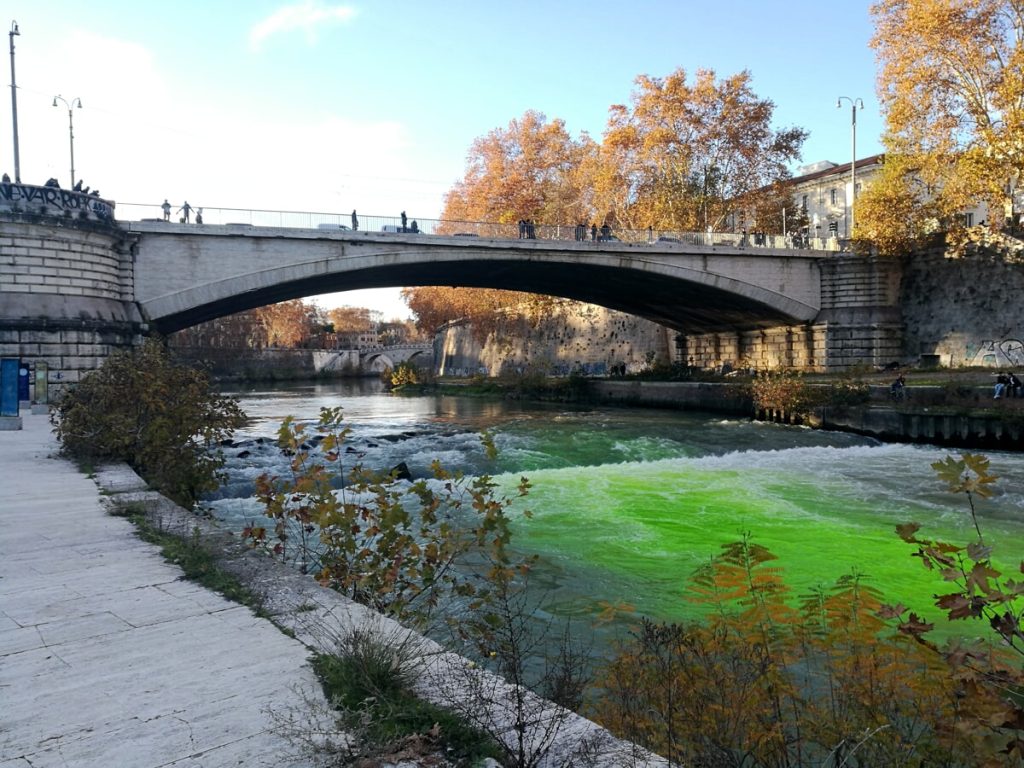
375, 359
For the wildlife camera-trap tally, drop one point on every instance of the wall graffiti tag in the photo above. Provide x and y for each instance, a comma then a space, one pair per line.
1005, 353
30, 197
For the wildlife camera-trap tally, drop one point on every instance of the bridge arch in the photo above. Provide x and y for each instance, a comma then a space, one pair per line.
702, 289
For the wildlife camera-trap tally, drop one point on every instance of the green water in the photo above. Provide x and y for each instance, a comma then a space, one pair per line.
627, 503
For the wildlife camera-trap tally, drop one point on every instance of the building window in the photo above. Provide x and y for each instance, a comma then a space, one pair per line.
803, 203
832, 192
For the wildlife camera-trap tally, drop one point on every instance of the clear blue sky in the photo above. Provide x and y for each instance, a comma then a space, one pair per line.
329, 106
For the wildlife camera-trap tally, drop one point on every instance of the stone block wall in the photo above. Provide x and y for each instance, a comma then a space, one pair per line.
69, 261
964, 307
571, 336
66, 294
800, 346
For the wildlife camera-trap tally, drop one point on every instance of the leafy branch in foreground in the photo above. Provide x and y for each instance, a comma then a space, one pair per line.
768, 681
390, 545
991, 684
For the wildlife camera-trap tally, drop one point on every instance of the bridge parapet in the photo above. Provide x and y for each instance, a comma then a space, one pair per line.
17, 198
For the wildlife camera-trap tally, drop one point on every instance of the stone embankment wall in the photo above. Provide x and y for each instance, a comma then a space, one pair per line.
905, 423
240, 364
65, 282
966, 307
571, 336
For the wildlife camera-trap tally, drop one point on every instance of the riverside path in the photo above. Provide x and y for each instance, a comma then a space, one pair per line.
107, 656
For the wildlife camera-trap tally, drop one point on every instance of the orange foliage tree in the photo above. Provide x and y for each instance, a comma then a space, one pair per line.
529, 170
685, 153
951, 84
434, 306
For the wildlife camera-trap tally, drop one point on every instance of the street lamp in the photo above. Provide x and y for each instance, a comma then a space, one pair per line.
76, 102
854, 105
14, 104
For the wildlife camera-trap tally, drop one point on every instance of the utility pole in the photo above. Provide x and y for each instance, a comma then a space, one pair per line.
14, 104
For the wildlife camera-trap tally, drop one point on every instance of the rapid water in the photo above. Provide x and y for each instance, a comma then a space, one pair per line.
627, 503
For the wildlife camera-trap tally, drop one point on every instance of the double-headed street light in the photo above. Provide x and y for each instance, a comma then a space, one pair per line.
855, 104
76, 102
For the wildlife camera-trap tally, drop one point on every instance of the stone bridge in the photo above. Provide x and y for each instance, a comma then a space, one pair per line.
375, 359
186, 274
75, 282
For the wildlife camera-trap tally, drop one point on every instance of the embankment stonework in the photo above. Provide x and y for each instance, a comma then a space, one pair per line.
235, 363
65, 293
569, 337
966, 308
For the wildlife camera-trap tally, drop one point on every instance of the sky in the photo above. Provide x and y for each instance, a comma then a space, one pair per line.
314, 105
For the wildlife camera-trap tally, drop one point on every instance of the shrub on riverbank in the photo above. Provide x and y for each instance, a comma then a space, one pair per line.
825, 681
161, 418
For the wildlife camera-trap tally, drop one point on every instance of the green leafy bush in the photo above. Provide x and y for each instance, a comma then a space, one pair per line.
160, 417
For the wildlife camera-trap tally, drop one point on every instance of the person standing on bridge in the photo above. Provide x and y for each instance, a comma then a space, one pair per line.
355, 221
404, 219
166, 209
185, 212
199, 215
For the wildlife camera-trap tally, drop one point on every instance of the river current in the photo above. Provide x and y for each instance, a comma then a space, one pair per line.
628, 502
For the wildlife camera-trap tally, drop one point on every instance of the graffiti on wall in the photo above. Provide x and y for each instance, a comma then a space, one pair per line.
28, 196
996, 354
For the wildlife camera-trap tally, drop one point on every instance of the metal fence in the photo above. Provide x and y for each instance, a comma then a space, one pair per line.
251, 217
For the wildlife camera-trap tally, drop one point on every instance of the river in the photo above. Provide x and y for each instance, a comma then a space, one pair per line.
628, 502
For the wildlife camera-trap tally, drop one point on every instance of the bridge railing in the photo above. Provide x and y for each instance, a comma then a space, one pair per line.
250, 217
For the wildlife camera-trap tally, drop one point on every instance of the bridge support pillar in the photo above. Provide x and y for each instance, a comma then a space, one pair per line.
861, 311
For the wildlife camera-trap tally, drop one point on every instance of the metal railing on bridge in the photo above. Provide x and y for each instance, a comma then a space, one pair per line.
338, 222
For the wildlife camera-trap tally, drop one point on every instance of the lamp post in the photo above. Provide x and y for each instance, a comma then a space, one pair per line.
14, 104
854, 105
76, 102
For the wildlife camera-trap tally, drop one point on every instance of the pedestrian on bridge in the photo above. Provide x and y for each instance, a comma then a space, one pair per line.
185, 211
404, 219
355, 221
166, 209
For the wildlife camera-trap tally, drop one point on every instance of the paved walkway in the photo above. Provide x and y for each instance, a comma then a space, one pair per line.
107, 657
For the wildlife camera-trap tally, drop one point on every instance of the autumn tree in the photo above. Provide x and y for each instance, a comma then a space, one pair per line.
531, 169
288, 323
684, 154
896, 213
436, 305
351, 319
951, 84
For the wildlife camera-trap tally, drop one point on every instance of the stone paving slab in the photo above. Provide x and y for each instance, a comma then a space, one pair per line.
107, 657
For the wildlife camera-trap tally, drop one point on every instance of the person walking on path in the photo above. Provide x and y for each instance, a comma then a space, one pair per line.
185, 211
167, 210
